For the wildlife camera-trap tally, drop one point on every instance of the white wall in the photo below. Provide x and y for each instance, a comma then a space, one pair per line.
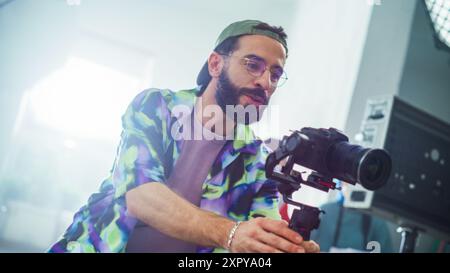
325, 52
181, 34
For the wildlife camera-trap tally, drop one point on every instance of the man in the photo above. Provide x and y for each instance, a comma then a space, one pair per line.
172, 194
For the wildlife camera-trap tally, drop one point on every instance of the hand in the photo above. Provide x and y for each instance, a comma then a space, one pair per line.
269, 236
311, 246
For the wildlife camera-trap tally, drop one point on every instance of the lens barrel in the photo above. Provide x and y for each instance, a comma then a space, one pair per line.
355, 164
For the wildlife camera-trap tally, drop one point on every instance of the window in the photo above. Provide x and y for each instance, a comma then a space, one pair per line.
439, 11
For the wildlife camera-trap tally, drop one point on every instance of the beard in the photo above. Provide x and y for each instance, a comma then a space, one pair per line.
228, 94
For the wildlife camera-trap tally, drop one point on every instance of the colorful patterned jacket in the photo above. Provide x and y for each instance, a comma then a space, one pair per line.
236, 186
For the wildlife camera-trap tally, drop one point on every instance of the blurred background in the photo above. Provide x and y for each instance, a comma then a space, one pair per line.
69, 68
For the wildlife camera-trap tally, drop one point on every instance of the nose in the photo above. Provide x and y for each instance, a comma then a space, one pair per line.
264, 81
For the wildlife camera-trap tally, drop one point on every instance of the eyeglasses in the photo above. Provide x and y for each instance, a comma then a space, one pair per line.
257, 67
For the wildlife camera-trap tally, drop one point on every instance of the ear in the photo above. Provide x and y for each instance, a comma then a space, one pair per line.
215, 64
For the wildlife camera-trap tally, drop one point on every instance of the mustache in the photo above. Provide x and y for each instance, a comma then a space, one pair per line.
257, 94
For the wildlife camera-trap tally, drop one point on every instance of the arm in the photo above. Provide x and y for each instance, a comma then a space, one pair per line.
159, 207
156, 205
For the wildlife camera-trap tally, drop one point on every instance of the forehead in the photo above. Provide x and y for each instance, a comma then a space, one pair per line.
265, 47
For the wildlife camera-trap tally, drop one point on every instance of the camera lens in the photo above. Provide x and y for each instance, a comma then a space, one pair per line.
374, 169
355, 164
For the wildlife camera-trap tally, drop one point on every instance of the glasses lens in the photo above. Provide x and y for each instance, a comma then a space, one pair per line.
281, 79
275, 74
255, 67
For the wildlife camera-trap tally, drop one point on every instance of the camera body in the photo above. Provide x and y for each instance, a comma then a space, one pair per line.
315, 152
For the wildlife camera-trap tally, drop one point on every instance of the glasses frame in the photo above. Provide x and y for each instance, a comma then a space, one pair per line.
245, 60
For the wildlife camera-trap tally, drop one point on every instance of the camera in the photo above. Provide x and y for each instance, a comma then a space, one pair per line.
328, 152
330, 156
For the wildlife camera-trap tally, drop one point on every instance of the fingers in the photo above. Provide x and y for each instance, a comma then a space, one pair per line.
280, 228
311, 247
284, 238
280, 243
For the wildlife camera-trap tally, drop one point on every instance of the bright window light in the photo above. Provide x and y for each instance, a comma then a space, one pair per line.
440, 16
84, 99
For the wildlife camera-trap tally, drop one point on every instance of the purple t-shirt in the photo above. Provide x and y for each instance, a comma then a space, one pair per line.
187, 177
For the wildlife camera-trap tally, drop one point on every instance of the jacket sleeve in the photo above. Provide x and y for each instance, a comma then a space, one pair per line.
140, 155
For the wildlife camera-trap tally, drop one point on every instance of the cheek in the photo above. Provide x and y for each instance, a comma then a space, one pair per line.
240, 78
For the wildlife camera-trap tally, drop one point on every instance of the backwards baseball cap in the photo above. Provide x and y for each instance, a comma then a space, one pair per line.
236, 29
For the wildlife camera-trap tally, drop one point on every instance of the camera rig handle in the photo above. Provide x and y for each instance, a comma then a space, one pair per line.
304, 218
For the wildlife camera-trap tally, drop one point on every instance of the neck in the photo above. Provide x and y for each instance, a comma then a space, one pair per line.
217, 121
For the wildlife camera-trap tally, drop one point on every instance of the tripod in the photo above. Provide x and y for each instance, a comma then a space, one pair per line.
409, 237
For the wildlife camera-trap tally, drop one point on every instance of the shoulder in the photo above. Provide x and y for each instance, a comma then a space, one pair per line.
151, 96
163, 98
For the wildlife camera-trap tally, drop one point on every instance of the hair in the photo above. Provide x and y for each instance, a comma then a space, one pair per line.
230, 45
277, 30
